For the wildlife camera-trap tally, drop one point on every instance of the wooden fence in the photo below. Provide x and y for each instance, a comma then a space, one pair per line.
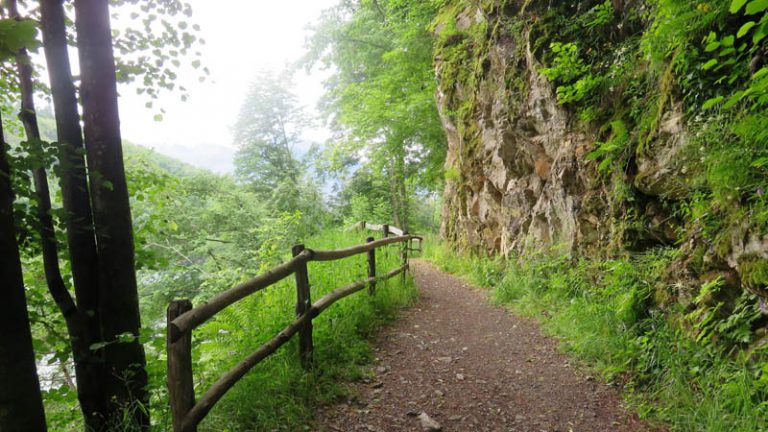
183, 318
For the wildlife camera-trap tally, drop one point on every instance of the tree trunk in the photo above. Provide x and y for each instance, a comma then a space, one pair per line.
40, 179
21, 405
397, 187
402, 189
618, 7
79, 222
393, 194
126, 379
74, 320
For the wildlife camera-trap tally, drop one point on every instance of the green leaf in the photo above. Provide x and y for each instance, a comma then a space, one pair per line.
709, 64
759, 74
756, 6
97, 346
736, 5
712, 102
604, 164
712, 46
727, 51
734, 99
745, 28
15, 35
126, 337
594, 154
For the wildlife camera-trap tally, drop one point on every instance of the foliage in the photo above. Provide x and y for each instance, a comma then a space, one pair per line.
267, 132
15, 35
569, 69
733, 51
197, 233
613, 148
380, 98
150, 50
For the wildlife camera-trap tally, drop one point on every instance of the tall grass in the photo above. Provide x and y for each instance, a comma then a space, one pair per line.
277, 394
614, 316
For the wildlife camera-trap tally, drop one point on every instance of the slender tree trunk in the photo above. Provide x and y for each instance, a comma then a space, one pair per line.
393, 194
397, 187
21, 405
79, 223
618, 7
74, 183
40, 179
126, 379
402, 189
49, 246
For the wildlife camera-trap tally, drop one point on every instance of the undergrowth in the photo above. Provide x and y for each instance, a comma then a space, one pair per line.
608, 314
277, 394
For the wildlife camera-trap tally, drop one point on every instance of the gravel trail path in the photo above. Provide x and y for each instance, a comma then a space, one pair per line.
471, 366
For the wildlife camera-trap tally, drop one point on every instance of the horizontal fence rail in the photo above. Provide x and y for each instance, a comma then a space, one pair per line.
182, 318
388, 230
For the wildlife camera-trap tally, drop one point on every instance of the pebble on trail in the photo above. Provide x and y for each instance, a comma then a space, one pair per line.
429, 424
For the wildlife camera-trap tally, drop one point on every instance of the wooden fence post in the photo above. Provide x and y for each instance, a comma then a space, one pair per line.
303, 304
181, 390
385, 228
371, 267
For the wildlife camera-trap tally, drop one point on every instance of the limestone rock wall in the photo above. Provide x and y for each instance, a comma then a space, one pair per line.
521, 171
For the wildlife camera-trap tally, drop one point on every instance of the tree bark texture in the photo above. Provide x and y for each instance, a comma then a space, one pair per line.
126, 379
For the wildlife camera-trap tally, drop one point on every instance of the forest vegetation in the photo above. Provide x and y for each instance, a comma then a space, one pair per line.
663, 110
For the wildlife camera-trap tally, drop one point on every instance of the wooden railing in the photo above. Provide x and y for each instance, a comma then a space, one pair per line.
183, 318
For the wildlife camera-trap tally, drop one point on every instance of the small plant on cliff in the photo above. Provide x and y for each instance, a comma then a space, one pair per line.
745, 47
576, 82
612, 149
600, 15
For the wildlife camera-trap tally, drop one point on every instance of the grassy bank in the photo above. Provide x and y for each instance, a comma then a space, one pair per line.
614, 316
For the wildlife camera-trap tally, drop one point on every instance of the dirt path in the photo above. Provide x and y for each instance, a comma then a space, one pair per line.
472, 366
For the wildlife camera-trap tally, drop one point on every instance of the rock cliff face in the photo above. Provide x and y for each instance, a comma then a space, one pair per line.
520, 174
521, 178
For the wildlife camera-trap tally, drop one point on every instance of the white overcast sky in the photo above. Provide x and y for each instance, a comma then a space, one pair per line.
242, 37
